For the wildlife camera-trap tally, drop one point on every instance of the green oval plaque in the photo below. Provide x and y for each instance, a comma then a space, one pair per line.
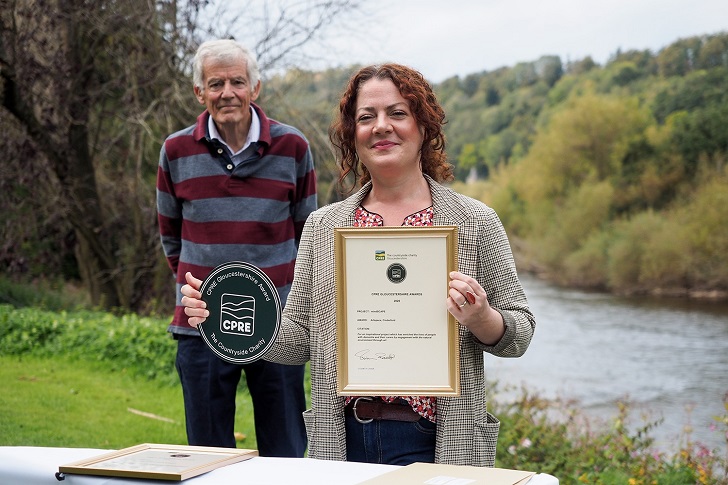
245, 312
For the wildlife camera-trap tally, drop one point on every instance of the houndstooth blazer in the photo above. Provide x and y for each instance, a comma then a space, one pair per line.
466, 432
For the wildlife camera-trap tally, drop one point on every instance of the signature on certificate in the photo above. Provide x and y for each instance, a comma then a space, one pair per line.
367, 355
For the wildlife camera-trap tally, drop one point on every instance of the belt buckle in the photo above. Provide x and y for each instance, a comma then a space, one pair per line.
356, 416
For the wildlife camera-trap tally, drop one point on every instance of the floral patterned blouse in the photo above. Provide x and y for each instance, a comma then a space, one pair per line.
424, 406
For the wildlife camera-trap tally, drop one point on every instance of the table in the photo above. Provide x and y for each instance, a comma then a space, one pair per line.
27, 465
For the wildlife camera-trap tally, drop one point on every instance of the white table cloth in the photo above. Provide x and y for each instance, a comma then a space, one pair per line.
26, 465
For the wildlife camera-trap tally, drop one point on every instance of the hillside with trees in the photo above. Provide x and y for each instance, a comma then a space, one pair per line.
610, 177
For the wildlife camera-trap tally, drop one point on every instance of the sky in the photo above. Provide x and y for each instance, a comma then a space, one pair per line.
445, 38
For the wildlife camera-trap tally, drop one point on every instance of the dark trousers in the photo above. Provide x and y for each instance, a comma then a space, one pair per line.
390, 442
209, 388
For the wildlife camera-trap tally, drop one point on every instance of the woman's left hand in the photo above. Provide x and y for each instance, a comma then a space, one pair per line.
468, 303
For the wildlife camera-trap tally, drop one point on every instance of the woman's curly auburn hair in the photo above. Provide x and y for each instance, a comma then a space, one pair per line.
426, 110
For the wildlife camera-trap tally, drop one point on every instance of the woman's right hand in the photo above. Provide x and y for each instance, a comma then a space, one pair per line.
195, 308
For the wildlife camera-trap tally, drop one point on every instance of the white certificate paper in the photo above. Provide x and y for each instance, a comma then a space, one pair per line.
394, 332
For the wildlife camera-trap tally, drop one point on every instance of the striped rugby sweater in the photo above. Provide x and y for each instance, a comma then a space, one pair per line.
211, 212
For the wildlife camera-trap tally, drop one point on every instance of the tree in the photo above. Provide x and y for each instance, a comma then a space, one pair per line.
49, 84
584, 141
550, 69
581, 66
714, 52
91, 88
680, 57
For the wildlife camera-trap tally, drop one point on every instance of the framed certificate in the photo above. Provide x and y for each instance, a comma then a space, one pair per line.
395, 335
159, 462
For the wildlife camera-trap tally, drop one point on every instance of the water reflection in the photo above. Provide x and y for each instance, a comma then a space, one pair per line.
666, 356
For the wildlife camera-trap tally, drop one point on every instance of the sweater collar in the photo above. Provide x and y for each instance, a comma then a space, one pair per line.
201, 132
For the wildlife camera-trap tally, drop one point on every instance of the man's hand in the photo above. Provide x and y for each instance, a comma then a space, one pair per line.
195, 308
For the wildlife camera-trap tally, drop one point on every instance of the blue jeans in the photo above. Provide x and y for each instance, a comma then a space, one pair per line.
209, 388
390, 442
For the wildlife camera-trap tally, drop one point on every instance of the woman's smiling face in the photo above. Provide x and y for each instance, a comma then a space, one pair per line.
388, 138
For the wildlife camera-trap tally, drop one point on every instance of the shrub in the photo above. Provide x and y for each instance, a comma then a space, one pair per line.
140, 344
554, 437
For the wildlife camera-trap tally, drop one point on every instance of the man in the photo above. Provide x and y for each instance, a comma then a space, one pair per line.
235, 186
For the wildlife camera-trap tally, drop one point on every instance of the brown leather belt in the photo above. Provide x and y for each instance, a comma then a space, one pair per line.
366, 409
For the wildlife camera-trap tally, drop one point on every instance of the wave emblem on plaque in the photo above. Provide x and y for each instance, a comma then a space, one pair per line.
245, 312
237, 314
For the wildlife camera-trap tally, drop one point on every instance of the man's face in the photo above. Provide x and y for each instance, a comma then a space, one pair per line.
227, 92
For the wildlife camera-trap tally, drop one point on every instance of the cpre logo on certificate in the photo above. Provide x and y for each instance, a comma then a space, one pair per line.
245, 312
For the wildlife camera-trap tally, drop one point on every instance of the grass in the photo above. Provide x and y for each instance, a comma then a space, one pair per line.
73, 403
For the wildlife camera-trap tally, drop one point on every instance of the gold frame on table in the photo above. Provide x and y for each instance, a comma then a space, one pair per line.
395, 336
159, 462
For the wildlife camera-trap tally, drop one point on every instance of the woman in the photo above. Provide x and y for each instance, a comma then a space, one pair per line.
389, 134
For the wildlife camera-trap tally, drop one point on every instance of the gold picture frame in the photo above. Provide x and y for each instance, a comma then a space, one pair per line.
159, 462
395, 336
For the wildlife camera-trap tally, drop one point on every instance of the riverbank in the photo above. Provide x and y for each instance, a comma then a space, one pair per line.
664, 357
529, 266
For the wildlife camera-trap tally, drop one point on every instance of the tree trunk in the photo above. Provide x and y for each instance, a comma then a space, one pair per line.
40, 44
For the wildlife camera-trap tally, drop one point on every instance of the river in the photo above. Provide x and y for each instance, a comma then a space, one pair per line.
667, 357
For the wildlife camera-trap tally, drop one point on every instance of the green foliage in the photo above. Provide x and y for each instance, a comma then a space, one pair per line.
586, 265
703, 221
584, 211
140, 345
702, 133
630, 246
601, 117
697, 90
42, 294
468, 157
620, 184
554, 437
308, 101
